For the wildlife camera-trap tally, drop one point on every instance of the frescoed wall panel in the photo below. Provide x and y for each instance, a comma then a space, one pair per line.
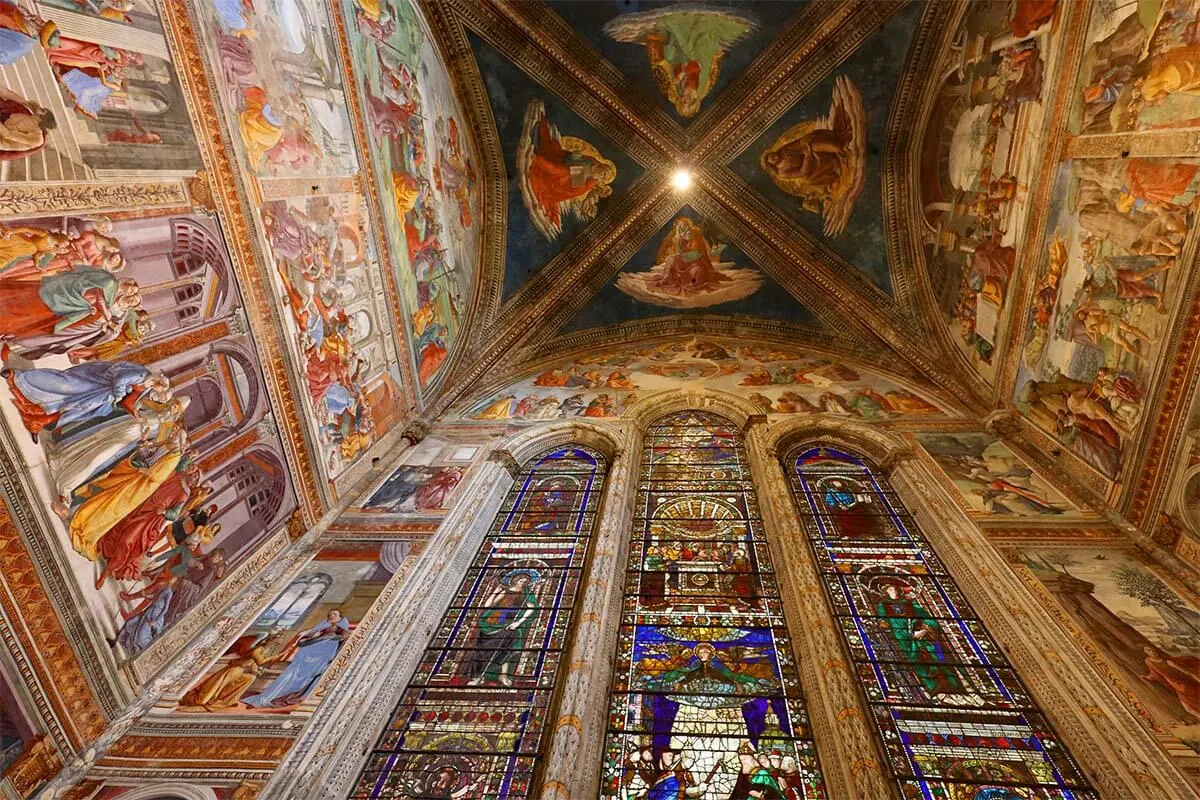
278, 84
426, 167
1142, 629
136, 401
90, 94
1115, 265
426, 483
991, 479
982, 144
778, 379
275, 665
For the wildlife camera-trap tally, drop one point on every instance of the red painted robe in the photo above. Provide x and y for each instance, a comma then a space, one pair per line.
1158, 181
550, 175
122, 547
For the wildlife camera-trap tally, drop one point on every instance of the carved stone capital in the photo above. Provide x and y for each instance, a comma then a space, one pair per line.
415, 431
35, 766
1167, 531
506, 460
895, 457
1002, 422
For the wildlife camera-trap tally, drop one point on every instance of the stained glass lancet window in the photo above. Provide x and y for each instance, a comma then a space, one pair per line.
470, 723
706, 699
955, 720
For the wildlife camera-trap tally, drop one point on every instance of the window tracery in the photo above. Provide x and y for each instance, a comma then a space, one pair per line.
706, 698
471, 720
954, 718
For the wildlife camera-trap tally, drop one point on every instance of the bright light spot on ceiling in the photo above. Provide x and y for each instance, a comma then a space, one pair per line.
681, 179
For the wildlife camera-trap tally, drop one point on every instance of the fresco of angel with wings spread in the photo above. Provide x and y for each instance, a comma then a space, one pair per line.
824, 161
688, 272
559, 175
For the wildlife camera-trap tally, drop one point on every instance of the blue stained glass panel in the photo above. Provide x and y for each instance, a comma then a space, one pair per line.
706, 698
955, 720
471, 721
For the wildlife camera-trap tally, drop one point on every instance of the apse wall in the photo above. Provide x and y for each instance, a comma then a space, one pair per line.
209, 322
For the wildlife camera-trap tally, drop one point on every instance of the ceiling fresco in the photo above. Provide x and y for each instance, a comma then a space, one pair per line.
560, 169
821, 162
424, 164
679, 55
690, 267
981, 148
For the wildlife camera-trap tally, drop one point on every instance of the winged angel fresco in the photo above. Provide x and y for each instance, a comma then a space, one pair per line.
824, 161
558, 174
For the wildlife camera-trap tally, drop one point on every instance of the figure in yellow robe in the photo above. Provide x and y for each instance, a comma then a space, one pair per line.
1174, 71
115, 495
261, 129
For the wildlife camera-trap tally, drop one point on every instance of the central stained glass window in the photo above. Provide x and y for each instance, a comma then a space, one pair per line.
470, 723
955, 720
706, 699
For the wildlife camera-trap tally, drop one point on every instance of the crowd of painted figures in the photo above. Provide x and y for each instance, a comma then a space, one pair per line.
125, 479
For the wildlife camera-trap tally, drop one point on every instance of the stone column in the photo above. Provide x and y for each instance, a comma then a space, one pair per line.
846, 741
573, 753
328, 755
1118, 756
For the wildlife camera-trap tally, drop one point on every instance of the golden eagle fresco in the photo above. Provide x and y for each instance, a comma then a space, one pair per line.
685, 45
688, 272
559, 174
824, 161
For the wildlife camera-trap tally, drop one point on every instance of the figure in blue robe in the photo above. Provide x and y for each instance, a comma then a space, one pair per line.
83, 392
837, 496
139, 631
315, 652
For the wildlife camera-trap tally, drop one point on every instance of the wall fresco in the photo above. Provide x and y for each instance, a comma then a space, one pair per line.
425, 164
779, 380
136, 400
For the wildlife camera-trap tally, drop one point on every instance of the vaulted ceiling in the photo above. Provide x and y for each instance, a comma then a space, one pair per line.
796, 123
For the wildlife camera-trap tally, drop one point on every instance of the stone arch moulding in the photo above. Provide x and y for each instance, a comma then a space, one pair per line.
1118, 756
647, 411
162, 791
526, 444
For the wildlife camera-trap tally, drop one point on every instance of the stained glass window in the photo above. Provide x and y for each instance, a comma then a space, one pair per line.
706, 698
470, 723
955, 720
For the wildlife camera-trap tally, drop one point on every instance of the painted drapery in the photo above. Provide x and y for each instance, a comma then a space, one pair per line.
470, 722
954, 718
706, 699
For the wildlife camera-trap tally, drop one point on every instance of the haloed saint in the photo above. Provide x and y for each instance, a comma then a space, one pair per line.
688, 272
686, 45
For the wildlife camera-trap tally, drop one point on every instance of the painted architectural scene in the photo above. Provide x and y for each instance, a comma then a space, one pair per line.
983, 144
281, 95
1145, 630
136, 400
89, 93
277, 663
776, 379
425, 172
1114, 267
992, 480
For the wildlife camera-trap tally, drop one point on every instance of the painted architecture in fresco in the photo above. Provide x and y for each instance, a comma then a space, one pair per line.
136, 398
983, 142
89, 93
779, 380
280, 91
1146, 631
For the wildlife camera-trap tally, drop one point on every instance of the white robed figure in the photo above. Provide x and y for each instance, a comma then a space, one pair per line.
315, 651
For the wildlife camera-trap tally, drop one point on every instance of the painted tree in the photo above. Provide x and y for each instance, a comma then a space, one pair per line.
1151, 592
1061, 559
